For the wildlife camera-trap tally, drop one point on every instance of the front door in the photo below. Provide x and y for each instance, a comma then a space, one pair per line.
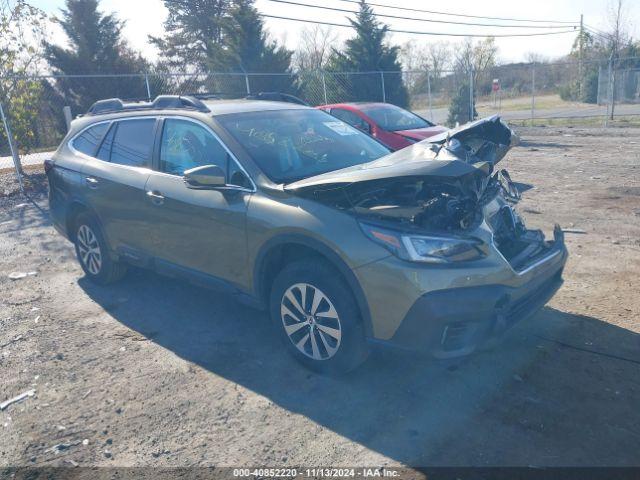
198, 229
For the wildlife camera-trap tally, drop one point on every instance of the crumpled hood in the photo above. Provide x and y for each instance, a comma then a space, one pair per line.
414, 161
468, 150
421, 133
490, 128
485, 140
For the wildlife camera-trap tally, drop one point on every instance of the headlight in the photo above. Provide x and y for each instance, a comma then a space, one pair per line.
421, 248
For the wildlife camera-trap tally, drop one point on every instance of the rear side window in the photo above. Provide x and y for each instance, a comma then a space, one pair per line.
133, 142
88, 141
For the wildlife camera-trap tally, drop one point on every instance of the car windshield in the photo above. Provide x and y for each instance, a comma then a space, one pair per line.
290, 145
392, 118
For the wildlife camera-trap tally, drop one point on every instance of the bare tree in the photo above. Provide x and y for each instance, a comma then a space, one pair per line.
476, 57
411, 56
618, 36
439, 57
22, 29
534, 57
315, 48
434, 57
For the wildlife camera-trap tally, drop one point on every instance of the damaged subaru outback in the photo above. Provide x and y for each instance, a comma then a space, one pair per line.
283, 206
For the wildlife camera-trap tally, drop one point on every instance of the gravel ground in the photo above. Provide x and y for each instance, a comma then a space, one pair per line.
155, 372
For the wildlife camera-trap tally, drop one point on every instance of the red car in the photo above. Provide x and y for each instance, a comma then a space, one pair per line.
394, 126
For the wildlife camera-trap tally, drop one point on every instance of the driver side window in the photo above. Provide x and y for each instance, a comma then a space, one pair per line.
186, 145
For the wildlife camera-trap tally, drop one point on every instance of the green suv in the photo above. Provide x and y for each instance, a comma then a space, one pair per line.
286, 207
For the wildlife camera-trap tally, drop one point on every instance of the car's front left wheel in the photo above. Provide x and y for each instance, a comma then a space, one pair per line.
317, 317
93, 253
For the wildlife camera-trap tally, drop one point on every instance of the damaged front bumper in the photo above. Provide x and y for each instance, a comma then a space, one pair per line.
477, 303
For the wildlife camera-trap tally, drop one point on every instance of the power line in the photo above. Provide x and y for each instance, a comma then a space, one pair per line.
597, 32
603, 36
289, 2
457, 14
420, 33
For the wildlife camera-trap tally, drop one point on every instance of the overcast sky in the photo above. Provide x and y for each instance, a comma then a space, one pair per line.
144, 17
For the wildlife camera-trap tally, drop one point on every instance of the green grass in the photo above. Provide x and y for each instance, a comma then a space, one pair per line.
622, 121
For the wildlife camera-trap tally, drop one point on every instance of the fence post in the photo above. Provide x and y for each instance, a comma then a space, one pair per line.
384, 95
246, 82
533, 93
66, 111
471, 102
429, 95
612, 87
146, 81
609, 92
12, 147
324, 88
598, 99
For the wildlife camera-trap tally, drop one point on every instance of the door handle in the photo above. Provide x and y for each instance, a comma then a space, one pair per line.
91, 182
156, 197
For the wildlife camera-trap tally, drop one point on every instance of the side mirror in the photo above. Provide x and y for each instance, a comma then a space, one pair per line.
207, 176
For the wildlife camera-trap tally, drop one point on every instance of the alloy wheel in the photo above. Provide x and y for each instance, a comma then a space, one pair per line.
311, 321
89, 249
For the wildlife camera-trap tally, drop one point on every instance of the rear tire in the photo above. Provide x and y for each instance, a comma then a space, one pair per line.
317, 318
94, 254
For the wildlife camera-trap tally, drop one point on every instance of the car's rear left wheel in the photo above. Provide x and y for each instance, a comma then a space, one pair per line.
93, 253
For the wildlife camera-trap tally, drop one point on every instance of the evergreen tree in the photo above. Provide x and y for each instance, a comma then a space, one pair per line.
194, 33
368, 52
459, 108
96, 48
247, 48
222, 36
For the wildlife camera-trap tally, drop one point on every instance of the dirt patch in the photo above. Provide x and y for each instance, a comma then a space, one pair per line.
635, 191
155, 372
34, 183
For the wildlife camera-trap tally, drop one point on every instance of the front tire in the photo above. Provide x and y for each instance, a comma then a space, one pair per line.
317, 318
93, 253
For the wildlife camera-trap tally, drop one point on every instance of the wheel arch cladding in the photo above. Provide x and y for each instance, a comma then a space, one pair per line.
283, 249
76, 208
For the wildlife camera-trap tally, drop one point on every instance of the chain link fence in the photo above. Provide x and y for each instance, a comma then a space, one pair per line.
34, 119
623, 85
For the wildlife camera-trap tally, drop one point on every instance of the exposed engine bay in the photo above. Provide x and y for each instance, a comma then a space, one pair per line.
439, 186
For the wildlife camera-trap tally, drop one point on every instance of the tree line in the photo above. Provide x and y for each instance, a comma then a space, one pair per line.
229, 37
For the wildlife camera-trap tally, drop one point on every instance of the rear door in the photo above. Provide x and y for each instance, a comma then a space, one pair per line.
202, 230
115, 180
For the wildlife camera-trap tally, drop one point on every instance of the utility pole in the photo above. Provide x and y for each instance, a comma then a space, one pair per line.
580, 57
